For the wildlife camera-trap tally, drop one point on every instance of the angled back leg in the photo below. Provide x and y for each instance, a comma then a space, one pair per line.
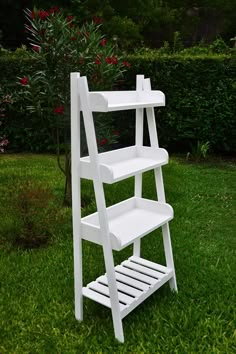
160, 189
138, 142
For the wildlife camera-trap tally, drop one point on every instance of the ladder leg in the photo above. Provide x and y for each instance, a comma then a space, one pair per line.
169, 255
137, 193
78, 283
115, 305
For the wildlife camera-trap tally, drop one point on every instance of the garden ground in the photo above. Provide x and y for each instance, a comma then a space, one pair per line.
36, 286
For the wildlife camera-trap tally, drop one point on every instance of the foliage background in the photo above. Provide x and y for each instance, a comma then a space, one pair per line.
133, 21
200, 100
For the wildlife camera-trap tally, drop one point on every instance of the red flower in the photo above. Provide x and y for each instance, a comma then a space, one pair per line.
103, 142
97, 61
114, 60
32, 15
87, 34
35, 48
125, 63
116, 132
54, 9
103, 42
108, 60
69, 18
73, 38
24, 80
81, 61
59, 109
97, 20
43, 14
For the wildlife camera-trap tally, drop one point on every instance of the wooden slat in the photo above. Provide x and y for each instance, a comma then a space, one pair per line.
131, 282
133, 274
144, 270
150, 264
103, 289
101, 299
122, 287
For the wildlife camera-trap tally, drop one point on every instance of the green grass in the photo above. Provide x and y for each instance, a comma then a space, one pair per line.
36, 287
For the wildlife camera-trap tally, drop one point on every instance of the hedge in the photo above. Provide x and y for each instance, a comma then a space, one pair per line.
200, 98
200, 101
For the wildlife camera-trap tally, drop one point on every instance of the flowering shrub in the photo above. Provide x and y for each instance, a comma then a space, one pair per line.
60, 45
3, 103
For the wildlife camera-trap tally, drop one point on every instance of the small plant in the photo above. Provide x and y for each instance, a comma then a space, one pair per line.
35, 212
200, 151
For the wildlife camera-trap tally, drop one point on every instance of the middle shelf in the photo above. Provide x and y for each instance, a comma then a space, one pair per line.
122, 163
128, 220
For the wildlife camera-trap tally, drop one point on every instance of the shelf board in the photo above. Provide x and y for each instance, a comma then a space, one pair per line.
122, 163
136, 279
127, 221
123, 100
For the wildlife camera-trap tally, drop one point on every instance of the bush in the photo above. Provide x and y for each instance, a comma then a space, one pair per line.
200, 90
35, 213
200, 98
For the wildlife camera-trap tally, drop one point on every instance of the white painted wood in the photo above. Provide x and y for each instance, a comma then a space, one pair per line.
101, 299
129, 290
125, 286
139, 143
124, 100
126, 162
76, 204
151, 265
136, 275
144, 270
131, 281
103, 289
101, 205
128, 220
169, 255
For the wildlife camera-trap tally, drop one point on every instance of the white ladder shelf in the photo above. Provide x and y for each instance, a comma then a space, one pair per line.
125, 286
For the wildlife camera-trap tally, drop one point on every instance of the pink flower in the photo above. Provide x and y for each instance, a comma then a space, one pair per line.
59, 109
103, 42
24, 80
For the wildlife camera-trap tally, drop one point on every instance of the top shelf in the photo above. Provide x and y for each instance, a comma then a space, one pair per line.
123, 100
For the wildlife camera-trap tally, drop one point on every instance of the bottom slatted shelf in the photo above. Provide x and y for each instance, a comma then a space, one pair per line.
136, 279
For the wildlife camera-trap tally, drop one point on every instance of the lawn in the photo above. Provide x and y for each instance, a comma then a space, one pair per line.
36, 286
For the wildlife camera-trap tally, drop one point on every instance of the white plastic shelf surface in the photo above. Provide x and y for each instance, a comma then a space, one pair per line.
122, 163
128, 220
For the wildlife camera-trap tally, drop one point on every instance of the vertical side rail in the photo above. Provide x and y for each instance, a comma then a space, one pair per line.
101, 208
138, 142
160, 190
76, 201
